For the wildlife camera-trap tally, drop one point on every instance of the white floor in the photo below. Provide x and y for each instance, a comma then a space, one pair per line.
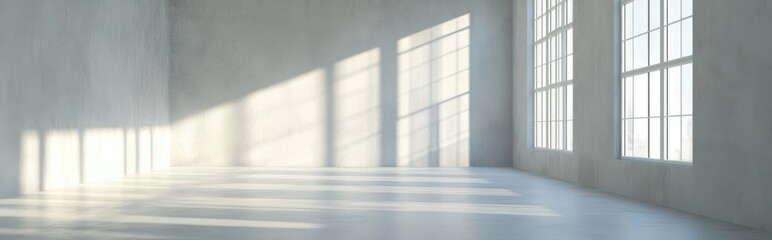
340, 204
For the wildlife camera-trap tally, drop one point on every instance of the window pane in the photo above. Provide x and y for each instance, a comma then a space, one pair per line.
673, 10
674, 91
641, 54
628, 21
654, 138
654, 96
686, 89
686, 7
570, 68
628, 137
570, 102
570, 136
654, 49
686, 37
628, 45
674, 41
559, 102
674, 138
641, 138
570, 42
570, 14
628, 97
654, 14
640, 16
686, 139
640, 96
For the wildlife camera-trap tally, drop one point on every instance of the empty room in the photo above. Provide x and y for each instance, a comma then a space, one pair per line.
385, 119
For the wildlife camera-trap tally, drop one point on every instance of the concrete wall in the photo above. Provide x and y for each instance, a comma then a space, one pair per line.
83, 91
341, 83
730, 177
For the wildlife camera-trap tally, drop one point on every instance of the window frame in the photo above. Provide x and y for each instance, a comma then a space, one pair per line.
661, 67
561, 136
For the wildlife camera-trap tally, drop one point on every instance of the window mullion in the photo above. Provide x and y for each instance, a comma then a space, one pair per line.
662, 93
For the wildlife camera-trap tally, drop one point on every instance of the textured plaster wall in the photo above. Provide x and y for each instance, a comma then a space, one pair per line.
266, 83
83, 91
730, 177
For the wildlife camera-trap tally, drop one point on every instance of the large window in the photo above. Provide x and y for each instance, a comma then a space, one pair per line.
657, 79
553, 74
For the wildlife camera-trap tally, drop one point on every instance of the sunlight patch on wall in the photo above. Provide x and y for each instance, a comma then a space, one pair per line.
433, 125
29, 174
104, 154
357, 110
207, 138
284, 125
62, 159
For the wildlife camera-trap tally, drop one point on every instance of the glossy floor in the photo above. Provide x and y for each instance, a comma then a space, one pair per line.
341, 203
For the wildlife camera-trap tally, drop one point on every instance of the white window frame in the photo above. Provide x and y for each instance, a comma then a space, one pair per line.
559, 115
661, 67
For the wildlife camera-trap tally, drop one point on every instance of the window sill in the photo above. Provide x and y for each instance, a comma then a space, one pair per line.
540, 149
657, 161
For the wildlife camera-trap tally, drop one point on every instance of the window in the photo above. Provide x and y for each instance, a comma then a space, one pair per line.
553, 74
656, 79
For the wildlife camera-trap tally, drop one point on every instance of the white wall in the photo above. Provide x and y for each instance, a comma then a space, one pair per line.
327, 83
730, 177
83, 91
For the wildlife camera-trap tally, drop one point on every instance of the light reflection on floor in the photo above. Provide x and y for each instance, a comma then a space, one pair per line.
346, 203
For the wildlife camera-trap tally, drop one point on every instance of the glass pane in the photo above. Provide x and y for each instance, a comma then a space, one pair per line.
570, 136
559, 70
544, 134
654, 96
673, 10
553, 135
559, 103
654, 49
570, 68
570, 12
570, 41
686, 89
628, 21
544, 106
628, 55
538, 77
570, 101
537, 54
537, 106
686, 37
628, 137
640, 16
538, 137
560, 15
559, 135
686, 7
553, 73
674, 138
640, 96
674, 91
553, 20
654, 138
686, 139
553, 109
654, 14
674, 41
628, 97
641, 138
641, 55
